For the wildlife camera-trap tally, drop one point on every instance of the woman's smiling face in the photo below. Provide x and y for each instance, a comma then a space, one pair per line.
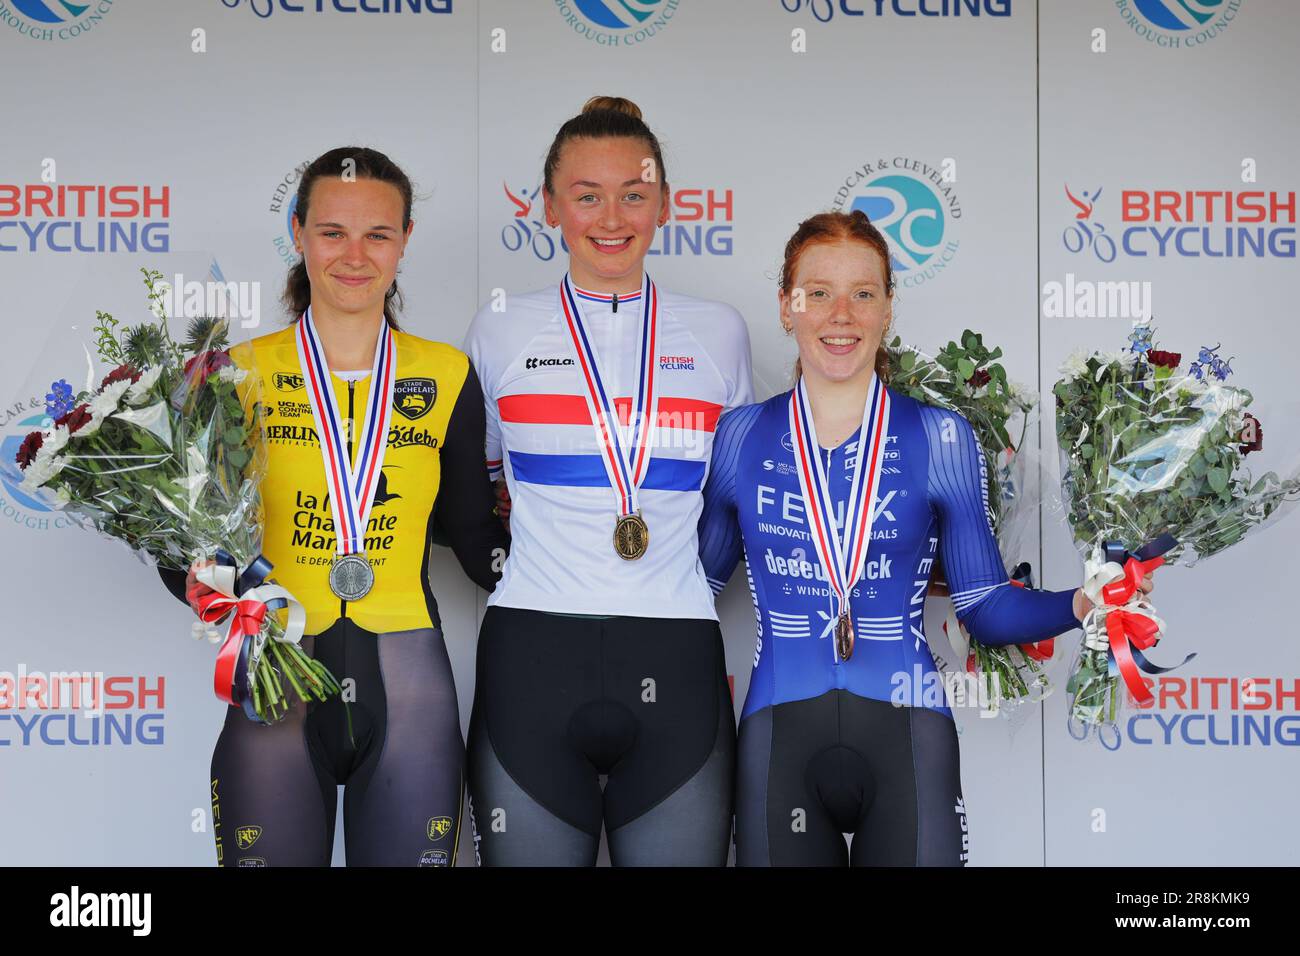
352, 243
607, 208
844, 310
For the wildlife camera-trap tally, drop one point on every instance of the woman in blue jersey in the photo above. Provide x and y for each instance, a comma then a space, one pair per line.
842, 494
599, 652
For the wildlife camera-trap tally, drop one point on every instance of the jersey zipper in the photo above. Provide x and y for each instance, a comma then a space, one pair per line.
615, 301
343, 605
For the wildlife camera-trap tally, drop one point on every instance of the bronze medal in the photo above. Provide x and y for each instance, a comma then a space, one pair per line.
844, 637
631, 537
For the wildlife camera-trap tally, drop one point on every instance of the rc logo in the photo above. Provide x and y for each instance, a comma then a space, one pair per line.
914, 205
439, 827
51, 20
288, 381
617, 22
1178, 24
245, 837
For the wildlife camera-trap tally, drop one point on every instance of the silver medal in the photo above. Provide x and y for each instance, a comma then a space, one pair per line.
351, 577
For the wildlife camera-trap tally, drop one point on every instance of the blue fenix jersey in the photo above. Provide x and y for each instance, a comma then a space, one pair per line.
932, 503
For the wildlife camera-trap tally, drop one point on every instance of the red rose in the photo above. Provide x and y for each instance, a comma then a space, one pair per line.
979, 379
121, 373
1164, 359
75, 419
204, 364
30, 446
1252, 433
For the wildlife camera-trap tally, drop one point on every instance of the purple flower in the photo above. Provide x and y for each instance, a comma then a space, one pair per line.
58, 401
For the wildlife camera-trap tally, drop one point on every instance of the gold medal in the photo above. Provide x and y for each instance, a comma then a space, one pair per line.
844, 637
631, 537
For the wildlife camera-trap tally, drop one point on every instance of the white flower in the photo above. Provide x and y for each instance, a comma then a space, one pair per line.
52, 441
231, 373
161, 291
40, 471
139, 392
61, 498
91, 426
105, 403
1075, 365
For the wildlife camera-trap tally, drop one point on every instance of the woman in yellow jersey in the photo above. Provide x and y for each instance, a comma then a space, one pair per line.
375, 438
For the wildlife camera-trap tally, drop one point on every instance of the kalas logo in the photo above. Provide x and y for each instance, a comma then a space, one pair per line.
617, 22
699, 224
533, 362
1186, 223
824, 10
51, 20
917, 213
264, 8
1178, 24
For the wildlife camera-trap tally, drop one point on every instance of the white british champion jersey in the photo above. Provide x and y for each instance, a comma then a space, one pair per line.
539, 433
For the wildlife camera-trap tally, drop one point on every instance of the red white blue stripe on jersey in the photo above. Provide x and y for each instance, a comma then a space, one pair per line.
844, 558
625, 472
607, 296
352, 488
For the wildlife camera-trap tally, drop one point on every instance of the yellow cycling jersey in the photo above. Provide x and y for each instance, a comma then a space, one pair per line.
432, 471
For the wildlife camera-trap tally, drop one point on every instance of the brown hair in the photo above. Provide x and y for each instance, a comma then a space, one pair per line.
603, 117
835, 227
367, 164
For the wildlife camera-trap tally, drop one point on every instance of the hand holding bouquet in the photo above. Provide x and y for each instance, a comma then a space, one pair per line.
161, 456
1152, 472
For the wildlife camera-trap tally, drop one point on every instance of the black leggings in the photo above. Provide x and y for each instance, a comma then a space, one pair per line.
561, 700
401, 761
812, 770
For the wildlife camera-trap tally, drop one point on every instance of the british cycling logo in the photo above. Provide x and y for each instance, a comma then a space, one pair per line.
51, 20
1182, 223
80, 709
264, 8
824, 10
1178, 24
1206, 711
617, 22
914, 205
699, 224
84, 217
16, 507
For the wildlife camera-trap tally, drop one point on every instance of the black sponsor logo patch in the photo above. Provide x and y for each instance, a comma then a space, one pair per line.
413, 397
289, 381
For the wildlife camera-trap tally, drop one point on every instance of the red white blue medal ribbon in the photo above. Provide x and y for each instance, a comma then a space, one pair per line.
351, 487
843, 557
625, 462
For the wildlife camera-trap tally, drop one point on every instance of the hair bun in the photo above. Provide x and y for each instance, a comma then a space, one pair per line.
616, 103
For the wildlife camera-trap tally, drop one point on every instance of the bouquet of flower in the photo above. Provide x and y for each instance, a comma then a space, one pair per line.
1152, 472
161, 456
967, 378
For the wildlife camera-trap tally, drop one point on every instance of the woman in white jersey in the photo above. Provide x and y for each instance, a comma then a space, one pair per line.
600, 652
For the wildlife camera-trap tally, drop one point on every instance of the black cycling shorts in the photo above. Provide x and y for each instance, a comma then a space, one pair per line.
810, 771
560, 701
395, 746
